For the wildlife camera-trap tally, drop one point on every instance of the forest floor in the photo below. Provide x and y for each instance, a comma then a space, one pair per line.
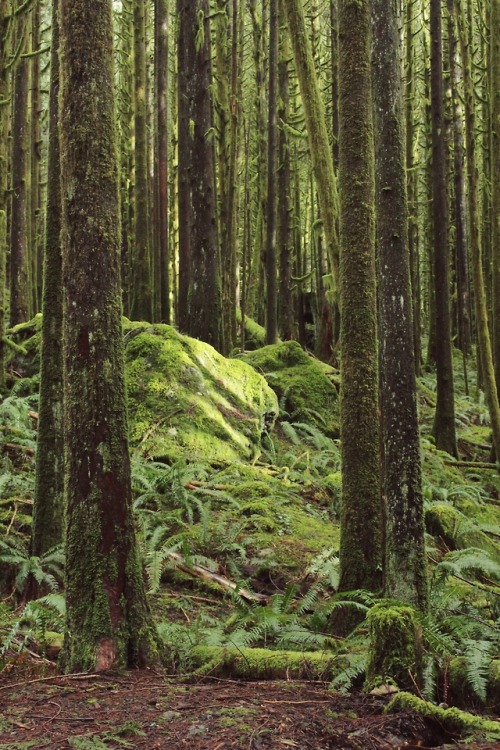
148, 711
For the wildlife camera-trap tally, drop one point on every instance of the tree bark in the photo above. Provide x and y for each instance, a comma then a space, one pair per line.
444, 419
108, 621
405, 568
361, 512
271, 266
48, 504
4, 119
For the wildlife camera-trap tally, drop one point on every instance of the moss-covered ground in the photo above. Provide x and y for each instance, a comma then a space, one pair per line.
236, 470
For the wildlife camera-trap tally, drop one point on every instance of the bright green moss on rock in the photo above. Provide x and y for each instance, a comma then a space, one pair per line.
187, 401
303, 384
458, 530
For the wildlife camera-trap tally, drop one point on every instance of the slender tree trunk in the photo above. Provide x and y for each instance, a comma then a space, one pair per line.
482, 324
444, 420
461, 244
35, 157
315, 117
161, 83
405, 569
271, 266
126, 124
142, 291
19, 258
108, 620
48, 505
4, 119
183, 146
495, 185
361, 512
285, 305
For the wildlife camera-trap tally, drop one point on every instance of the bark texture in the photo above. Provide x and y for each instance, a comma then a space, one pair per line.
48, 505
108, 621
444, 420
4, 112
405, 577
361, 516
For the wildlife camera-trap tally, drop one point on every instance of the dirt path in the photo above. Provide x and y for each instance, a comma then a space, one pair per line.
146, 711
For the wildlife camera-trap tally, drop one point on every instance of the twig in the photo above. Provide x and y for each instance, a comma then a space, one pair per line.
471, 464
11, 521
415, 685
76, 676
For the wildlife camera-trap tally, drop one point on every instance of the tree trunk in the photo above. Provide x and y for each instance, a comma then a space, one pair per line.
204, 294
161, 162
48, 504
315, 117
405, 568
108, 620
141, 286
19, 259
285, 300
495, 185
361, 512
4, 119
482, 324
444, 419
271, 267
35, 158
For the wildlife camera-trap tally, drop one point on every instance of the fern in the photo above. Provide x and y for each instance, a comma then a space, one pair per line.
47, 570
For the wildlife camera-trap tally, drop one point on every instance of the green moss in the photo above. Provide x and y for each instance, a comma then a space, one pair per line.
461, 689
186, 400
395, 645
302, 383
457, 530
451, 719
260, 663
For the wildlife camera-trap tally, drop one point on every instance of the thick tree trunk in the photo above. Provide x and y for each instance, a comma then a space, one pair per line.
108, 620
19, 259
361, 513
444, 420
198, 169
405, 576
48, 505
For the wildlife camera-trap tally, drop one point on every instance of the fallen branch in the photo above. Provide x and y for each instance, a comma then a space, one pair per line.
199, 572
472, 464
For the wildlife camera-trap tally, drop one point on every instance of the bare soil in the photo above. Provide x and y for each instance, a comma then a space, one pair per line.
148, 711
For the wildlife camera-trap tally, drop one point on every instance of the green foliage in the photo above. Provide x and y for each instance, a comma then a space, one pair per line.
35, 619
46, 570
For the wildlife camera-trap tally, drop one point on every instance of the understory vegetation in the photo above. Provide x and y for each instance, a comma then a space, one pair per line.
241, 551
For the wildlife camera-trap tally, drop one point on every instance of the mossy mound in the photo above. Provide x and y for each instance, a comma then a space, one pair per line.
460, 684
304, 385
188, 401
459, 530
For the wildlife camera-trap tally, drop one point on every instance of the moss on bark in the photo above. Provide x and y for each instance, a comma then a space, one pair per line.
108, 620
395, 645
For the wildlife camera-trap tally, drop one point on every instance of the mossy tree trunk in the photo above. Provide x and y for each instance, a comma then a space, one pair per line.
203, 318
162, 281
48, 505
315, 117
284, 242
271, 213
361, 512
19, 258
495, 184
4, 118
444, 419
183, 148
141, 282
460, 194
480, 301
405, 577
108, 620
35, 159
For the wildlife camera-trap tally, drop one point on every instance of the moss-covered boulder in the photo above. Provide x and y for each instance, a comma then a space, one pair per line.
458, 530
305, 386
188, 401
